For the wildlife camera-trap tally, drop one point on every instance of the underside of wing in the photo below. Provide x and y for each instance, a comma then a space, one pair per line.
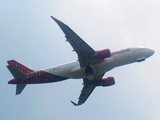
88, 87
86, 91
85, 52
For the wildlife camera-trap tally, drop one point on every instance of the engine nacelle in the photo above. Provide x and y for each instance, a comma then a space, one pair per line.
106, 82
103, 54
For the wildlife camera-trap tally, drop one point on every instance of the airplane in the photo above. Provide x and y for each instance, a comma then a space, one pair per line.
90, 66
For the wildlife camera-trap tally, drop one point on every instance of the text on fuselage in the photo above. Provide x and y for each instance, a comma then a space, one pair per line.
121, 51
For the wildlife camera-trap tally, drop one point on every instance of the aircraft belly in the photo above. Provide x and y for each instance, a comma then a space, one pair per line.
78, 72
105, 66
101, 68
64, 71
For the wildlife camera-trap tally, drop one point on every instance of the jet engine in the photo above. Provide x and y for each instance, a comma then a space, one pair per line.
106, 82
103, 54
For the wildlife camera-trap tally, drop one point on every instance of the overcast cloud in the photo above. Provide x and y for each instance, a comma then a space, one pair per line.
30, 36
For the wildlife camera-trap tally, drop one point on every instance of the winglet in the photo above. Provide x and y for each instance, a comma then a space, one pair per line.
74, 103
56, 20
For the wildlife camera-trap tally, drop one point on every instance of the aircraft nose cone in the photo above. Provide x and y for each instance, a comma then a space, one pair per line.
149, 53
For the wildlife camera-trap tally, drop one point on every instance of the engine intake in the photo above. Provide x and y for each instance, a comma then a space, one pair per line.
103, 54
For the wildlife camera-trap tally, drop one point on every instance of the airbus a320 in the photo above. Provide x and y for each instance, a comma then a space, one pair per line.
90, 66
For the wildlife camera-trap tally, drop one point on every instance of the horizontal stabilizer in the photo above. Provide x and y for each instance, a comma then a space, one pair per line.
19, 88
16, 73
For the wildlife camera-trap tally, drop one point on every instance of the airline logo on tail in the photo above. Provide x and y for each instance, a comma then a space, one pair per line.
19, 71
20, 66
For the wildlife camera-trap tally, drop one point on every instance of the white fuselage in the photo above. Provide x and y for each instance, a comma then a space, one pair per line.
118, 58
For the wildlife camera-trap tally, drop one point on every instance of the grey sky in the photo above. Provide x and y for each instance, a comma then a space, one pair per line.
30, 36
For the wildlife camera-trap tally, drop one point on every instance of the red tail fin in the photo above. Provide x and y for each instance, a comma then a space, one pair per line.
20, 66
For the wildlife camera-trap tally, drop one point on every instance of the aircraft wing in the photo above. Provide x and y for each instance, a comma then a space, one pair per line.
86, 91
88, 87
84, 51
